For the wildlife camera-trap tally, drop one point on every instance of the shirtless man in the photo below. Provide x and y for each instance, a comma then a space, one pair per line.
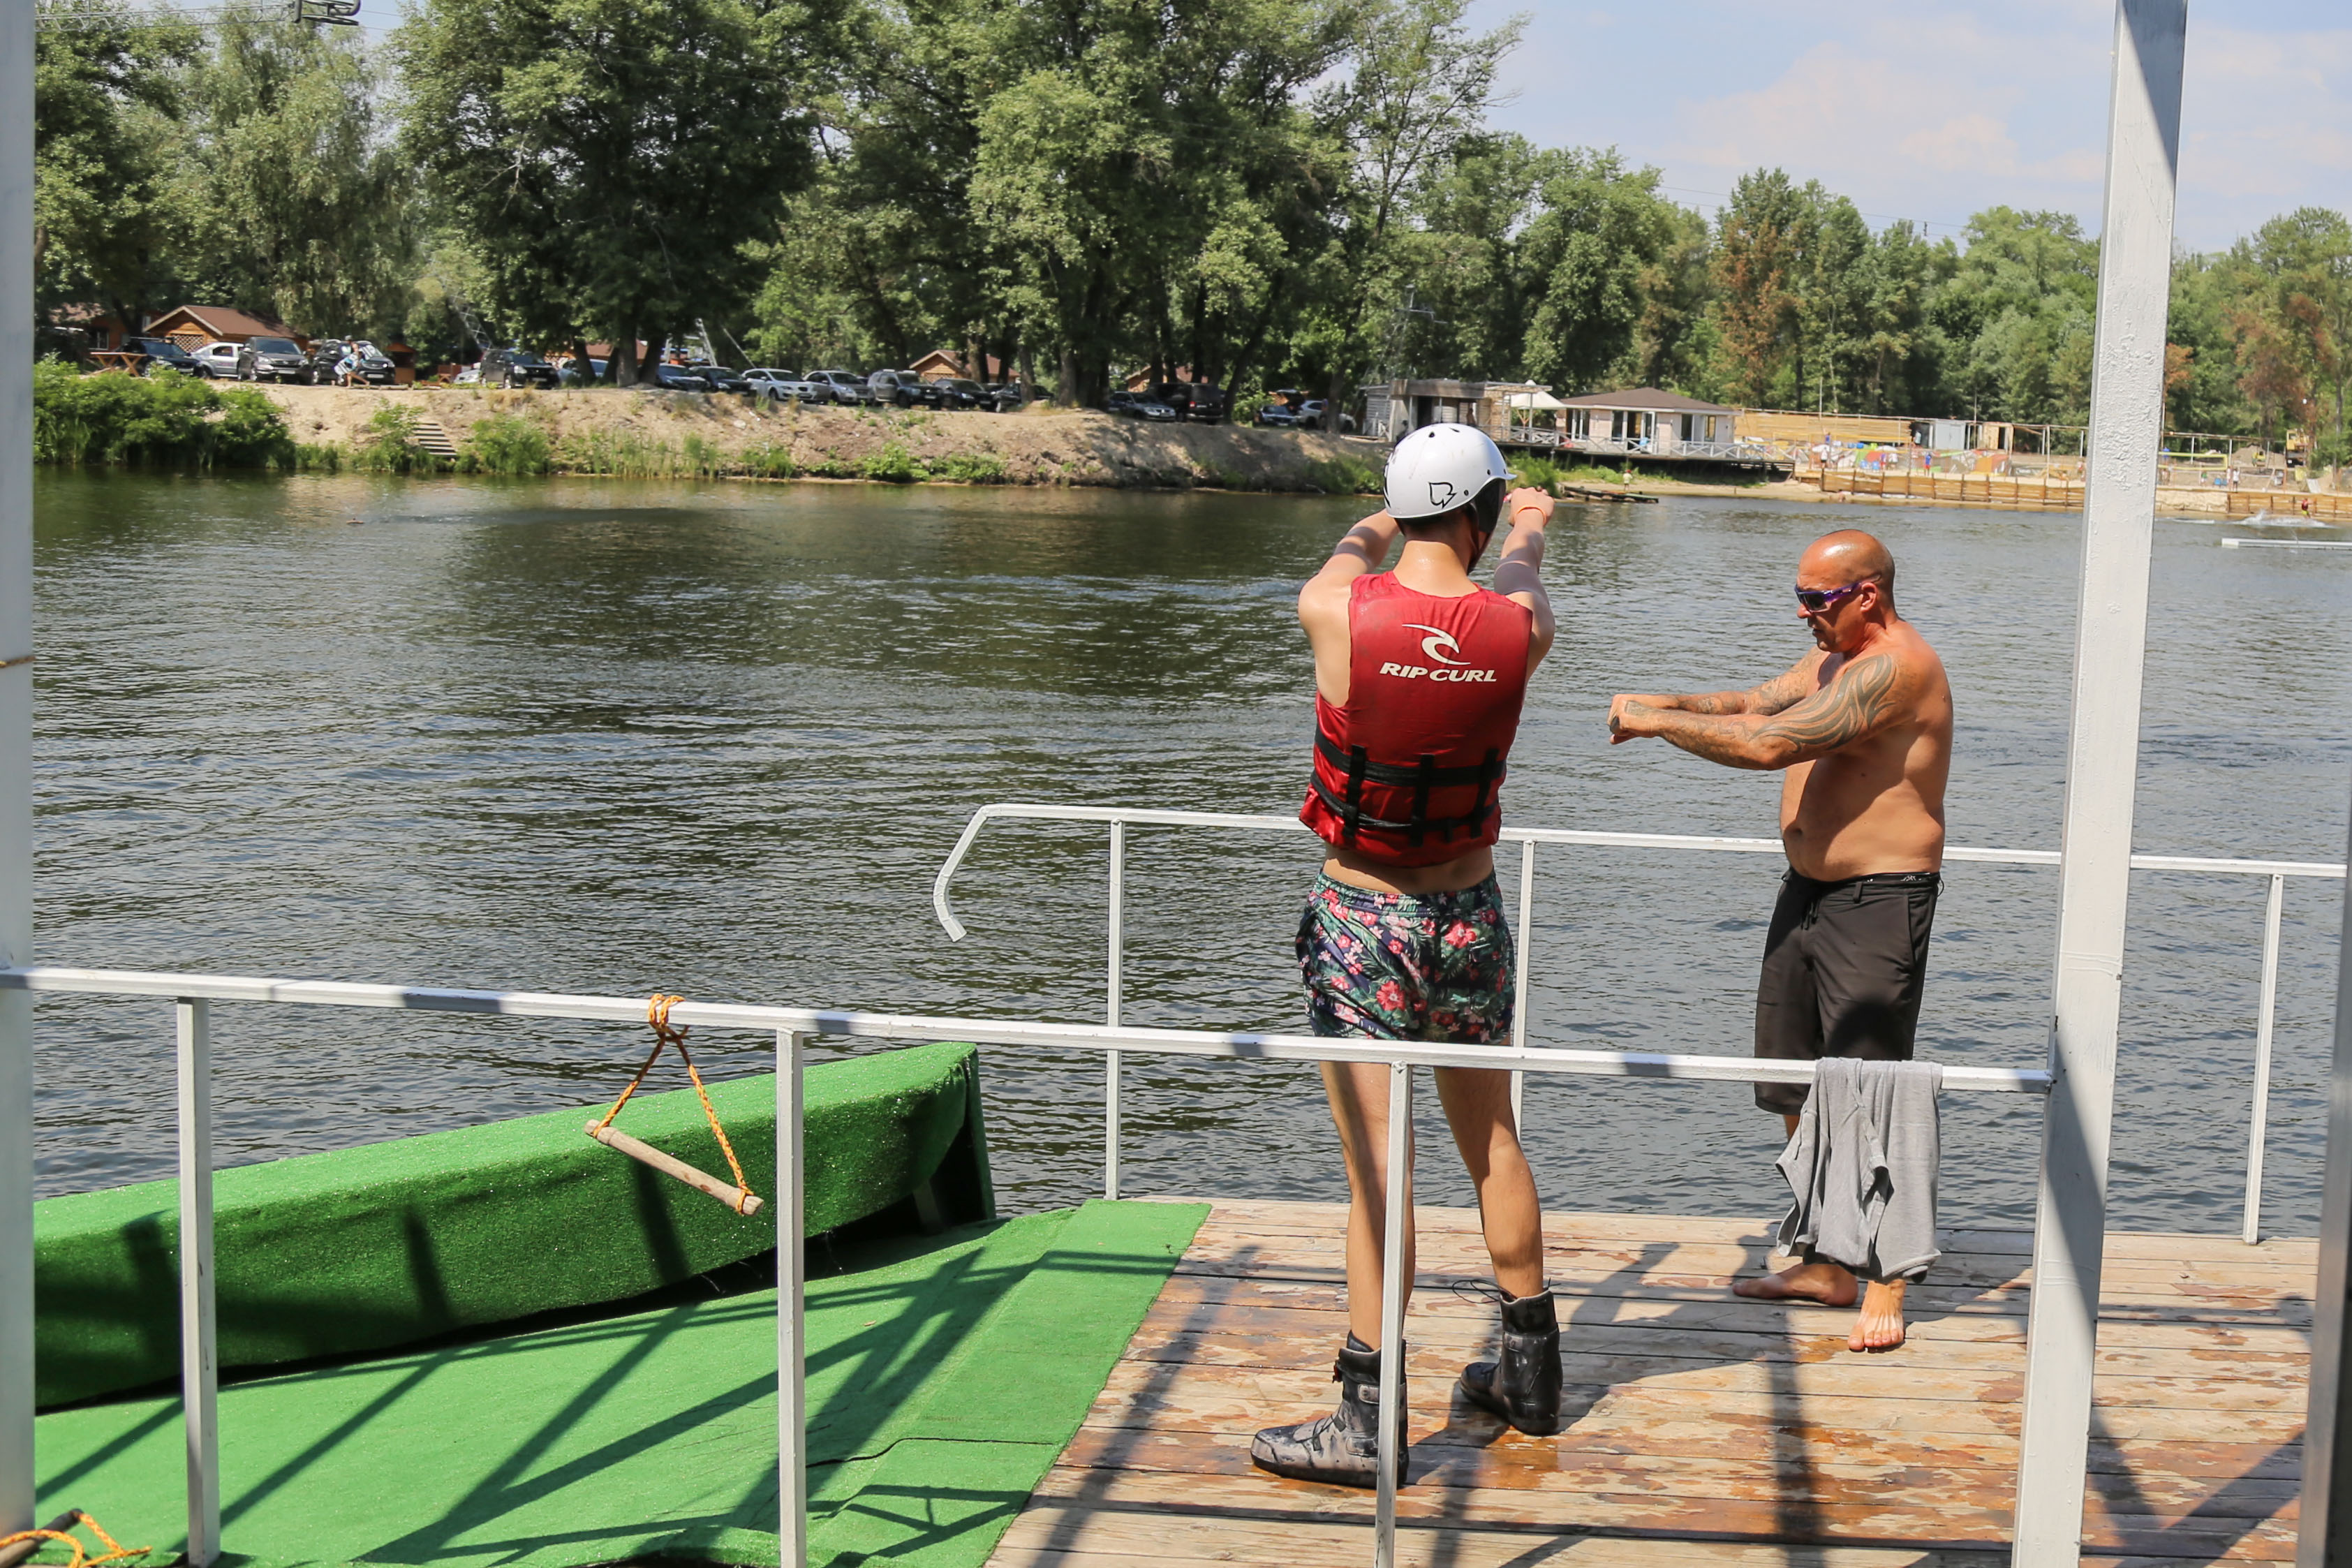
1862, 729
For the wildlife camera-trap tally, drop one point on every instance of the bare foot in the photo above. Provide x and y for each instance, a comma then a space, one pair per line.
1824, 1282
1879, 1325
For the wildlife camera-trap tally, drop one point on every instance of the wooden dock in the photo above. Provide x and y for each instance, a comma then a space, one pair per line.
1704, 1429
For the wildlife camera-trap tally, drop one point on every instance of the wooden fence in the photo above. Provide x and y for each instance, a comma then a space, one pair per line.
2290, 506
1957, 490
2285, 506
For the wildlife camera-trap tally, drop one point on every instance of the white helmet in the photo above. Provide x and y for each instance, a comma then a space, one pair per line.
1439, 467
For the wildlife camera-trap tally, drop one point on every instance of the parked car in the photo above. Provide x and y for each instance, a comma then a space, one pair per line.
1135, 405
1282, 409
217, 360
718, 378
966, 395
516, 367
840, 386
272, 359
1010, 397
677, 378
471, 376
1191, 399
163, 353
573, 374
1311, 417
902, 388
780, 385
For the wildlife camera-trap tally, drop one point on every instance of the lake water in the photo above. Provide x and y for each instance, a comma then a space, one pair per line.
620, 738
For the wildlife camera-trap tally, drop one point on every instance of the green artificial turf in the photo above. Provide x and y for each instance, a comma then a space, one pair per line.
941, 1385
388, 1244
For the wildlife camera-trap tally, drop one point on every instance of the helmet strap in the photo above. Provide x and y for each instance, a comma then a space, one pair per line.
1484, 536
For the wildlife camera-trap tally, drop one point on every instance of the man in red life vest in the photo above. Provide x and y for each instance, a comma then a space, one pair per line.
1419, 674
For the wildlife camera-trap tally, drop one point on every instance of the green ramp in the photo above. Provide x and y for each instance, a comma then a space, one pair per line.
388, 1244
941, 1386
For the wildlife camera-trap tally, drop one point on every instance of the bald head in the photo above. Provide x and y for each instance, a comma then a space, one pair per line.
1849, 555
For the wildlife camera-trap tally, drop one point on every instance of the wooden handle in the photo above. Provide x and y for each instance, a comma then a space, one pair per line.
733, 1197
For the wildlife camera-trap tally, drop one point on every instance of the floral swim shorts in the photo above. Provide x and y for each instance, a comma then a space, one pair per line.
1400, 966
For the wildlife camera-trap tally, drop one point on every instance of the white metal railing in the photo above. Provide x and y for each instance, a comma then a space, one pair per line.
792, 1026
1528, 838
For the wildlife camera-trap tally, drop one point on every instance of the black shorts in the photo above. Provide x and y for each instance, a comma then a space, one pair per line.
1844, 966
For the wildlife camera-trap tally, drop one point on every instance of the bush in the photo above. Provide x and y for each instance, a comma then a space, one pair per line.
620, 455
1546, 473
972, 468
768, 461
508, 446
703, 459
1344, 476
389, 446
164, 419
893, 465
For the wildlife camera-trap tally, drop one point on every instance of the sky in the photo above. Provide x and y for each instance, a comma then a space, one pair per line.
1931, 112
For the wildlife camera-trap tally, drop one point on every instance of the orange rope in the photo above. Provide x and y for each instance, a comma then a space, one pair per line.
115, 1551
667, 1034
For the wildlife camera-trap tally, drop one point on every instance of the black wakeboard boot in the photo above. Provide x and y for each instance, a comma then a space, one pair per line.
1344, 1448
1523, 1388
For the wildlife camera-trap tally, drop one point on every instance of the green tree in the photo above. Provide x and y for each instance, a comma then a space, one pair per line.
2207, 293
611, 161
1114, 140
1758, 236
298, 206
1603, 257
1419, 90
1462, 261
2017, 310
107, 105
2300, 266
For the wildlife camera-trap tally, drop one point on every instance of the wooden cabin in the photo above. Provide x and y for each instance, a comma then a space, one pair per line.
194, 326
1644, 421
1394, 410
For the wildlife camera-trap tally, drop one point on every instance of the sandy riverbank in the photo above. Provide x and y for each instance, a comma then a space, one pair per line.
1040, 447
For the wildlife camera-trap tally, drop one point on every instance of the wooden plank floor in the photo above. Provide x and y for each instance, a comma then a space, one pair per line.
1704, 1429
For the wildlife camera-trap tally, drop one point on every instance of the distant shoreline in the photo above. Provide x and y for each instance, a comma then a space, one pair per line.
611, 433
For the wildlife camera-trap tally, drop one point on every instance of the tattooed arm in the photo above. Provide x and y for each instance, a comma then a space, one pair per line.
1784, 690
1862, 700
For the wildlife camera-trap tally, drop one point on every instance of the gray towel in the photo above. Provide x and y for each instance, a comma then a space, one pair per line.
1863, 1168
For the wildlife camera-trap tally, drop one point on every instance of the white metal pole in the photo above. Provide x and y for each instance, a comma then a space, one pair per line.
15, 760
1394, 1282
2266, 1015
2110, 635
792, 1360
1117, 954
1519, 1002
199, 1385
2324, 1536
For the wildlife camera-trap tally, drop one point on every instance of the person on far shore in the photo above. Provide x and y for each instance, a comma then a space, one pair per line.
1862, 729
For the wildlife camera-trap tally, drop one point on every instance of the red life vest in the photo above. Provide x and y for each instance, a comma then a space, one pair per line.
1409, 771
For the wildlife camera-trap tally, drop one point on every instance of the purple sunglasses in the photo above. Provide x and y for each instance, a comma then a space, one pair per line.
1814, 601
